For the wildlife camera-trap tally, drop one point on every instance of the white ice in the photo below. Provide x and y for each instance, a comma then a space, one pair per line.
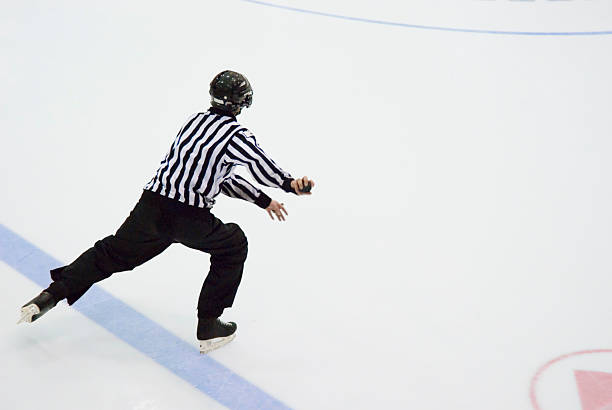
459, 236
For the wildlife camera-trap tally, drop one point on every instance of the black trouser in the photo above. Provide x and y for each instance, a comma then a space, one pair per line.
155, 223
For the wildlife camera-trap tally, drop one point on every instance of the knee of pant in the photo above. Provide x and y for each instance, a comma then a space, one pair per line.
239, 238
112, 255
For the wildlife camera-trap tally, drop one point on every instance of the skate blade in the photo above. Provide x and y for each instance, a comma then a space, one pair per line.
212, 344
27, 312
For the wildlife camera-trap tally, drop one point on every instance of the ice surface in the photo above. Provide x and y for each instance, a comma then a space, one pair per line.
457, 240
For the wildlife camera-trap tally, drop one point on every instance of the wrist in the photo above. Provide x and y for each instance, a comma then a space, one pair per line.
263, 201
287, 185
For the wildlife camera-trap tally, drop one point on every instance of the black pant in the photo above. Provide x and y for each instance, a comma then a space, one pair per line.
155, 223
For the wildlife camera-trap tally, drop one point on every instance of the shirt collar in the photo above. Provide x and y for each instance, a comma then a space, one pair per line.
219, 111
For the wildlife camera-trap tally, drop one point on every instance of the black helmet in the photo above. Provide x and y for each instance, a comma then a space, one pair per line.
231, 91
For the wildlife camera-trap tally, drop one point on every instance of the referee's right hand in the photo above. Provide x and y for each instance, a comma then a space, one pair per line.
299, 184
276, 208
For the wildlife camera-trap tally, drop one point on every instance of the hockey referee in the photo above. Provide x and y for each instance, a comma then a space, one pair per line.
175, 207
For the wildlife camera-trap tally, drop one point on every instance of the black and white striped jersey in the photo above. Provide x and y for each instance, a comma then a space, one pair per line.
202, 158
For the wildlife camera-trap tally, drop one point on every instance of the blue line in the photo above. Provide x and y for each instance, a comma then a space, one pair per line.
146, 336
417, 26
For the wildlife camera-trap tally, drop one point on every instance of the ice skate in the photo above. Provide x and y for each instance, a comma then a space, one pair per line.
214, 333
37, 307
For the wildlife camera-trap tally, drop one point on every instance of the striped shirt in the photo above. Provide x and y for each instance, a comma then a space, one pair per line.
202, 158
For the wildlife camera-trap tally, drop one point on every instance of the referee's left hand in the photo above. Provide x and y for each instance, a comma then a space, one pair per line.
276, 208
300, 183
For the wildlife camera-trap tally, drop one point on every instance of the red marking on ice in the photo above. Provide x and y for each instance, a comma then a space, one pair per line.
534, 381
595, 389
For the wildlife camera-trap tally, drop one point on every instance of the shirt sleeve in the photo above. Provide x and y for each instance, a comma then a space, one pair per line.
244, 150
237, 187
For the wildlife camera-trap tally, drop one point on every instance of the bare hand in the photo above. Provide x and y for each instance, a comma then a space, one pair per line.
299, 184
276, 208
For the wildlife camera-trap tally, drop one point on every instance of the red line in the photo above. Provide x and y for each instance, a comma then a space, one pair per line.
534, 381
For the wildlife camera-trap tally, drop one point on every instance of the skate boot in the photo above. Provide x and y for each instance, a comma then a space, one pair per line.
214, 333
37, 307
